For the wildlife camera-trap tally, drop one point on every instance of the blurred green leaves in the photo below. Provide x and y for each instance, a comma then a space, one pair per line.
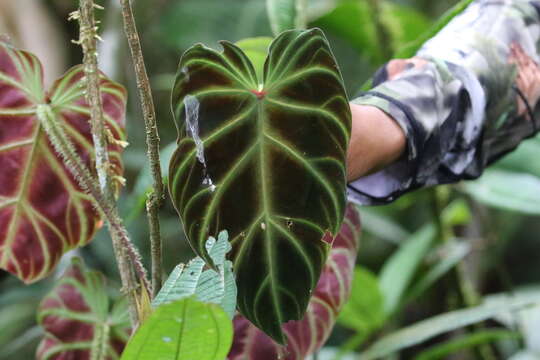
507, 190
352, 21
188, 22
364, 312
446, 322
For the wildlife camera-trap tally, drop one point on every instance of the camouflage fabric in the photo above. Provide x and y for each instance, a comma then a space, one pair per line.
469, 97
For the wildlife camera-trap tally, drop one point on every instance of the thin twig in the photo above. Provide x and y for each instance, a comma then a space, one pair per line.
155, 198
126, 254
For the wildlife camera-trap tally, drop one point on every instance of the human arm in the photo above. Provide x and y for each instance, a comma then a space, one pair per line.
469, 97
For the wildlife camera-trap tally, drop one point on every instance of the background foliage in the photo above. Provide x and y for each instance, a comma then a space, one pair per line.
434, 254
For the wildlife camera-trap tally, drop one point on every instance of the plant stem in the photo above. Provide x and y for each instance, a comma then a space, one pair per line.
384, 38
88, 41
65, 148
155, 198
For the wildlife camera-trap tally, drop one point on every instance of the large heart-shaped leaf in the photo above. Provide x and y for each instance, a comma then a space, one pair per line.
308, 335
79, 320
264, 159
43, 211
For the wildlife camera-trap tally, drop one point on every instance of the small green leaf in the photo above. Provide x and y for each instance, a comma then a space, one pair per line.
143, 184
440, 324
208, 286
256, 50
399, 269
182, 330
364, 312
506, 190
282, 15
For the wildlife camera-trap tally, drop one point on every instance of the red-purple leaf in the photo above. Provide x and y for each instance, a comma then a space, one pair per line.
43, 211
306, 336
79, 321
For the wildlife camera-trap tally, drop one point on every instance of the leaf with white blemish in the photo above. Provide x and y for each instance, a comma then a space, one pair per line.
273, 171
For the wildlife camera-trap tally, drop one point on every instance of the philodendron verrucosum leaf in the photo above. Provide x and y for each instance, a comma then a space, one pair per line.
79, 319
264, 159
308, 335
43, 210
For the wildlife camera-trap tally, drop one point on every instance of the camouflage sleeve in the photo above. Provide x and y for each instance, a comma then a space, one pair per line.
467, 98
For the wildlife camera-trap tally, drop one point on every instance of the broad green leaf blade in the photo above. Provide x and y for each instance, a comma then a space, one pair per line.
264, 159
450, 321
307, 336
399, 269
446, 349
282, 15
364, 312
208, 286
182, 330
43, 211
506, 190
78, 320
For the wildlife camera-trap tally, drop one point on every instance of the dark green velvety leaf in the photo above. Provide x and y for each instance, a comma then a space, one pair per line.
264, 159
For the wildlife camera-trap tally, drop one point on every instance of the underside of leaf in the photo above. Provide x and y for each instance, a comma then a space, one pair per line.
264, 159
43, 211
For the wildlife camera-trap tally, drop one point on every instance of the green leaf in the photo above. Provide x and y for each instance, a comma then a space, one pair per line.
79, 319
409, 50
247, 147
507, 190
256, 50
182, 330
364, 312
398, 271
453, 254
282, 15
208, 286
440, 324
519, 160
445, 349
353, 21
382, 226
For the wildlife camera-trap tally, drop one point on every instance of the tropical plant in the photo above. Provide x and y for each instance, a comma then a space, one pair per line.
257, 177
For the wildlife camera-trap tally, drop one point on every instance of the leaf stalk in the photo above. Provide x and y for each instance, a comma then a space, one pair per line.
156, 196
